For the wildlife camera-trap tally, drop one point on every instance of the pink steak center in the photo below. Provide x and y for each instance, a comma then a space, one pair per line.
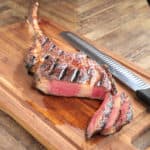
63, 88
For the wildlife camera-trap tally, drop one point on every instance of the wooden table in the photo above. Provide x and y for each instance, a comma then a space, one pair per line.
121, 26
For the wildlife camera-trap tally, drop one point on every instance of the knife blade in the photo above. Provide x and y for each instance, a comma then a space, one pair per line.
126, 76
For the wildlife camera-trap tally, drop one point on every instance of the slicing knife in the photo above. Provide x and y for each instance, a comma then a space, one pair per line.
126, 76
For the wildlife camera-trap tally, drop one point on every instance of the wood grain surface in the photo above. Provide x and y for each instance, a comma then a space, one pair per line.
51, 119
121, 26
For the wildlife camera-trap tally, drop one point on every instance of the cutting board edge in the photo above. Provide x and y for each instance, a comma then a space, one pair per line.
12, 105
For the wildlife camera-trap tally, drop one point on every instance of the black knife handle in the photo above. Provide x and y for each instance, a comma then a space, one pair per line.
144, 95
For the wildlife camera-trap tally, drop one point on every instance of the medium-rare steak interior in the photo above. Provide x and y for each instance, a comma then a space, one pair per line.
61, 73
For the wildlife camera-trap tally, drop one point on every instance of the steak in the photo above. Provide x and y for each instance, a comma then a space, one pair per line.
61, 73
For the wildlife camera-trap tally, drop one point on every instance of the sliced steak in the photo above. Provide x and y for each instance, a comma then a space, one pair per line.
60, 73
113, 114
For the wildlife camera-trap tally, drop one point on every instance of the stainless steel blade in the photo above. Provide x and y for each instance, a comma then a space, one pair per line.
119, 71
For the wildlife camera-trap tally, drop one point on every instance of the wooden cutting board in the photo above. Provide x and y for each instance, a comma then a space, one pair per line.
57, 122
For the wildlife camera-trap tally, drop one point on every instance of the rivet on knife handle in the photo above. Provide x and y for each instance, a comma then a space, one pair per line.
126, 76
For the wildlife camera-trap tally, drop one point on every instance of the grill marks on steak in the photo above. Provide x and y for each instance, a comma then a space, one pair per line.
60, 73
46, 60
52, 63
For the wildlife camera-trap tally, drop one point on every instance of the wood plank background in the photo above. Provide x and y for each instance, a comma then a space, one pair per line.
121, 26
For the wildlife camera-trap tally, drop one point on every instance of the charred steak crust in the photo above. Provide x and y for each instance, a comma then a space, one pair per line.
60, 73
47, 62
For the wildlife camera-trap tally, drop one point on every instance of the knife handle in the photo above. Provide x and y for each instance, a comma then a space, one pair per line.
144, 95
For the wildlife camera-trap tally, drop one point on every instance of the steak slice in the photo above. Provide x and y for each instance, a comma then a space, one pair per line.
113, 117
125, 116
100, 117
60, 73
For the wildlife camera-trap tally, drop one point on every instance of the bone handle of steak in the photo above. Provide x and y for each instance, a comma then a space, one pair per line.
33, 20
